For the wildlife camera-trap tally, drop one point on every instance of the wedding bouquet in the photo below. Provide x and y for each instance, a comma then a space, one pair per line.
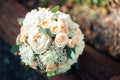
49, 41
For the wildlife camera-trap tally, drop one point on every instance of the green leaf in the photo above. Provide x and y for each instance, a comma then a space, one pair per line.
14, 49
50, 33
70, 52
20, 21
51, 73
27, 68
77, 65
55, 9
69, 55
43, 31
46, 31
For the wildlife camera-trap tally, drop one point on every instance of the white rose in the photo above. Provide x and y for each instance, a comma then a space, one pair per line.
38, 41
31, 19
55, 28
61, 39
45, 13
26, 54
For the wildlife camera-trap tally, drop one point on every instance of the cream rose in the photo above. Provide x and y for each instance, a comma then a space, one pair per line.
71, 43
51, 67
33, 65
22, 37
63, 68
79, 49
81, 45
61, 39
75, 39
38, 41
64, 26
45, 23
78, 32
55, 28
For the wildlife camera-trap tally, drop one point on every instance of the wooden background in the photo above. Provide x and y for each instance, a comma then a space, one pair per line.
93, 65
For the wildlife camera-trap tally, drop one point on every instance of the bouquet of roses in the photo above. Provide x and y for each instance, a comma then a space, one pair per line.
49, 40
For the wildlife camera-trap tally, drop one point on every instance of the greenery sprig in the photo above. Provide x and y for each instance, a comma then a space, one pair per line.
55, 9
20, 21
14, 49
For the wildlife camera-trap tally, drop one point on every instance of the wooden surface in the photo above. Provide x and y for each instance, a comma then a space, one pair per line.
93, 65
10, 11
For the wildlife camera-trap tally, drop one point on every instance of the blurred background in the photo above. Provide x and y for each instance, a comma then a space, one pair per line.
99, 20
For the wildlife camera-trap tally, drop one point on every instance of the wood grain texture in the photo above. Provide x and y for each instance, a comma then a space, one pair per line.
10, 11
93, 65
